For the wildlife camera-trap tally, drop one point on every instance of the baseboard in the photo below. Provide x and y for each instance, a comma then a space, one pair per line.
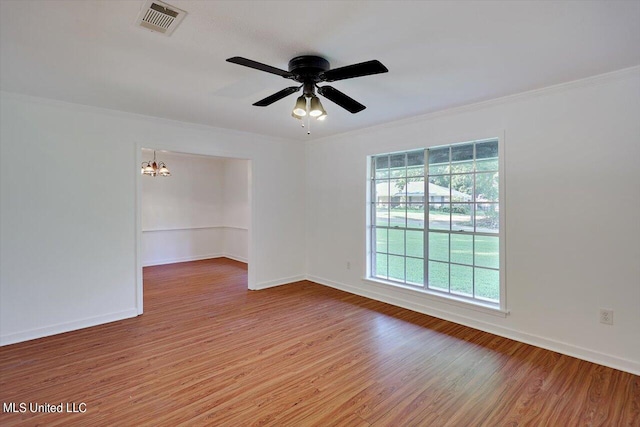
236, 258
66, 327
626, 365
278, 282
183, 259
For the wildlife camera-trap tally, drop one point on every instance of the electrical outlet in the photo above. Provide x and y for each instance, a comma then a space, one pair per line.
348, 265
606, 316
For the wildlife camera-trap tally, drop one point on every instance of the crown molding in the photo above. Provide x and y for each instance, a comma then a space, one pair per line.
136, 116
592, 81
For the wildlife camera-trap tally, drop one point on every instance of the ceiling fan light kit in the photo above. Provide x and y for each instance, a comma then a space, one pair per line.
310, 70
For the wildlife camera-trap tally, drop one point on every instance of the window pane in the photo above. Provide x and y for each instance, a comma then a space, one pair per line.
397, 190
381, 265
487, 156
439, 189
396, 242
415, 171
398, 165
439, 246
382, 167
487, 165
487, 284
415, 163
487, 251
398, 215
462, 217
462, 158
438, 161
439, 218
415, 215
487, 187
462, 280
382, 214
415, 243
462, 248
396, 268
415, 190
487, 150
382, 191
487, 218
381, 240
415, 158
462, 188
415, 271
439, 276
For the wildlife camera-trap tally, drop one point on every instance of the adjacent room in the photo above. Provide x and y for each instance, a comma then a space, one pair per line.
314, 213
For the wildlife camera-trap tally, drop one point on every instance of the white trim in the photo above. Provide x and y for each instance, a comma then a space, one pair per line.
196, 258
520, 96
502, 218
66, 327
153, 119
138, 233
413, 303
182, 259
236, 258
438, 297
279, 282
586, 81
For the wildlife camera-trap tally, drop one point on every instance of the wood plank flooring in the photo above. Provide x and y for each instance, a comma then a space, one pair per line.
209, 352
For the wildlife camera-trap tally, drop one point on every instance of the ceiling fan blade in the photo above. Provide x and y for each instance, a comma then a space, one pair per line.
333, 94
259, 66
355, 70
277, 96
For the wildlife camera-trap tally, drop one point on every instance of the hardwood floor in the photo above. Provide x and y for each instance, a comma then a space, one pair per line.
209, 352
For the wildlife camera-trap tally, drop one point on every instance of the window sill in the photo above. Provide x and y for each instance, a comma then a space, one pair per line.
487, 308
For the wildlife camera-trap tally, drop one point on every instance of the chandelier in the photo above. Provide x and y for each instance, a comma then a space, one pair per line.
153, 168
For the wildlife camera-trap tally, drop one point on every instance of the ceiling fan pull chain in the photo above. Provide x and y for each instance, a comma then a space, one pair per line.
308, 120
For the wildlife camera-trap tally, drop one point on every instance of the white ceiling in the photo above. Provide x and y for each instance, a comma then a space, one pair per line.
440, 54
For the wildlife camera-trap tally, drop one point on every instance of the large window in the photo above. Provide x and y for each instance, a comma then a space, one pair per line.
435, 220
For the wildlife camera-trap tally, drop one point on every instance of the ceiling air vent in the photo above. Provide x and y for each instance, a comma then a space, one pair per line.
160, 17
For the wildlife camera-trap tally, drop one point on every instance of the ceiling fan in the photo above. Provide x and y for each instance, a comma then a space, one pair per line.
309, 71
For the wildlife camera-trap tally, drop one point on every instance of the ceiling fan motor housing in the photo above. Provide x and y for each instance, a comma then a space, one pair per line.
308, 68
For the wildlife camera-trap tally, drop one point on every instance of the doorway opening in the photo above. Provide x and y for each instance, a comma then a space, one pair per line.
201, 211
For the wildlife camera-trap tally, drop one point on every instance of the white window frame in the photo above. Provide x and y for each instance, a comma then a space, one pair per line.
499, 308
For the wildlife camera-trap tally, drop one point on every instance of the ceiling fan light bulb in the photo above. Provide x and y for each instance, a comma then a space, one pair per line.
301, 107
315, 107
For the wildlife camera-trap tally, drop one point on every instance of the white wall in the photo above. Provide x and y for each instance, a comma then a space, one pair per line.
69, 176
572, 213
201, 211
